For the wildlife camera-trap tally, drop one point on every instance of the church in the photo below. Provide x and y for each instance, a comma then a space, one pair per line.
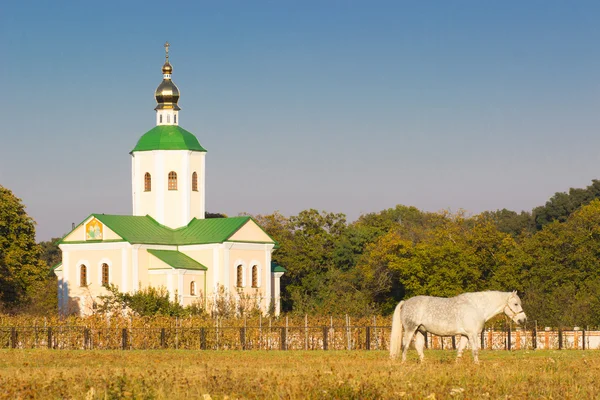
168, 242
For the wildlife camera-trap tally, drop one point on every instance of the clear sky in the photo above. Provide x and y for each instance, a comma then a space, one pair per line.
343, 106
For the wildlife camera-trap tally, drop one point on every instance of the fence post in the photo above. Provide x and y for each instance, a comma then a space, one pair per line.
368, 339
243, 337
124, 339
453, 342
534, 337
508, 341
426, 344
283, 339
482, 339
163, 341
325, 332
13, 337
86, 338
202, 338
49, 337
560, 337
583, 339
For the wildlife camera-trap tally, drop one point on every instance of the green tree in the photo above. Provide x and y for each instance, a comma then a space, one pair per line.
562, 204
50, 252
562, 274
20, 265
449, 255
510, 222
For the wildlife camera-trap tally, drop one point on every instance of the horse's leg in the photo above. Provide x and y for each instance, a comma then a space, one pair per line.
461, 346
474, 347
408, 335
420, 344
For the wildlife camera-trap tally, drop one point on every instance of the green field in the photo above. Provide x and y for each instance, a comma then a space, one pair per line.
178, 374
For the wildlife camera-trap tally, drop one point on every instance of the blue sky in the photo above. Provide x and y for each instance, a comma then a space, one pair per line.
343, 106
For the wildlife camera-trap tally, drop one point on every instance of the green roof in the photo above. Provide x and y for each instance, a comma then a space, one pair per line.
146, 230
177, 259
168, 137
276, 267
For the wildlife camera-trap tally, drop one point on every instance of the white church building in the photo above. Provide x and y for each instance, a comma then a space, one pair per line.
167, 242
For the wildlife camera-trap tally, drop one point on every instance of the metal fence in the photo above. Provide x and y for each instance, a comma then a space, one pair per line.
276, 338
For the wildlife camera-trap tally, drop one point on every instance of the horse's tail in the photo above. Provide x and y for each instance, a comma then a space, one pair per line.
396, 338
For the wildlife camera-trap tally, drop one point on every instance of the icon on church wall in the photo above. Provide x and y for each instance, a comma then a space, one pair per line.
93, 230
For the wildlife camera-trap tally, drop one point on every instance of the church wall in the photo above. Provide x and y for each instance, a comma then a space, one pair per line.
251, 232
158, 274
207, 256
144, 202
248, 258
197, 206
93, 260
78, 234
176, 207
143, 259
198, 278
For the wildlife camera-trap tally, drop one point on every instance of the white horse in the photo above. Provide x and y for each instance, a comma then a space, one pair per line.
463, 315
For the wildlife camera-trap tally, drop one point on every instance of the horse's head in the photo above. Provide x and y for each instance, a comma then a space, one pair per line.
514, 310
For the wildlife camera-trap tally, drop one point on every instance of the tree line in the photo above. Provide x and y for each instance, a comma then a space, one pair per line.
550, 255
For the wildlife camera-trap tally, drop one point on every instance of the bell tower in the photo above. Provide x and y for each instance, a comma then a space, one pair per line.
168, 163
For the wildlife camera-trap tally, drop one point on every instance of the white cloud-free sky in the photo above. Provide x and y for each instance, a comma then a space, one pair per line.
343, 106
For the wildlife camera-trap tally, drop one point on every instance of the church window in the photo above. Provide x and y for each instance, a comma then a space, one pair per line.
105, 275
147, 182
254, 276
240, 276
174, 119
160, 118
195, 182
82, 275
172, 180
168, 119
193, 288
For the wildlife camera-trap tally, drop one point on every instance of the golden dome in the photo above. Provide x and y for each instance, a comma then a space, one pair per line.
167, 93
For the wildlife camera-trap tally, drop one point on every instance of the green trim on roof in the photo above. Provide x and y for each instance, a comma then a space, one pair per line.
55, 266
146, 230
168, 137
276, 267
94, 241
177, 259
249, 241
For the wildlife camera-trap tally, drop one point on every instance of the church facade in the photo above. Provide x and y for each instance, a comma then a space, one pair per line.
168, 242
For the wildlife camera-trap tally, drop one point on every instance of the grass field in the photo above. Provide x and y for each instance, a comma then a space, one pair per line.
173, 374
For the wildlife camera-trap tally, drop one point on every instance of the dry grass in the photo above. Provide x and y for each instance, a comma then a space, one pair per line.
172, 374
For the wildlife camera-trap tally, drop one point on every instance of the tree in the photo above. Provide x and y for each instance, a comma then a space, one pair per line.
50, 252
561, 270
20, 265
561, 205
510, 222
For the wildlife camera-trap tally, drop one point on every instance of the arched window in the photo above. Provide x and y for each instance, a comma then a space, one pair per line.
168, 119
160, 118
193, 288
82, 275
172, 180
174, 119
195, 182
105, 275
147, 182
240, 276
254, 276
